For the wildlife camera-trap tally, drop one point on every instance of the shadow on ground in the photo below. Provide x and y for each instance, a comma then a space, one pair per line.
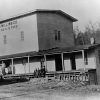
7, 82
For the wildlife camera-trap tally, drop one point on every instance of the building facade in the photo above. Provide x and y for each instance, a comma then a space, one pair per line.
23, 37
35, 31
44, 38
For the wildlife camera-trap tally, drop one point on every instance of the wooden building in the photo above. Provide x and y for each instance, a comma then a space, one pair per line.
31, 32
45, 38
35, 31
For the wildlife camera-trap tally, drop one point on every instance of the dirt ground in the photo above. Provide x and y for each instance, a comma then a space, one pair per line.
41, 89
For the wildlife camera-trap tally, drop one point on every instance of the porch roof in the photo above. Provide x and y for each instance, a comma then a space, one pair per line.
51, 51
70, 49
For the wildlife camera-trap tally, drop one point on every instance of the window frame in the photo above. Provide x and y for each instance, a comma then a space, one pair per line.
5, 39
22, 36
57, 34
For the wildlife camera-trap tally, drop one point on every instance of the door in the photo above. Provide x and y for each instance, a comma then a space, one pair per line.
58, 62
73, 63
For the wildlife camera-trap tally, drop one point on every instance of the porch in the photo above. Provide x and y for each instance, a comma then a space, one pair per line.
74, 64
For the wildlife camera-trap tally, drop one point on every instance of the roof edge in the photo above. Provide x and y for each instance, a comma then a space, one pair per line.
36, 11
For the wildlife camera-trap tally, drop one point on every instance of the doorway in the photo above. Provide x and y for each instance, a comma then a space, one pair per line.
7, 63
73, 62
58, 62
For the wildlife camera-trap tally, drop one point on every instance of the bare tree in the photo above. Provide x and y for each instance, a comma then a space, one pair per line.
78, 36
83, 38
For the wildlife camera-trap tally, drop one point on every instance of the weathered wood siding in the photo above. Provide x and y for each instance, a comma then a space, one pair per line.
47, 24
90, 58
22, 66
67, 62
19, 35
97, 54
50, 63
79, 61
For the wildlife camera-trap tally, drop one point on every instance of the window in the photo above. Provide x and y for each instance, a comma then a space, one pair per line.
5, 39
57, 35
22, 36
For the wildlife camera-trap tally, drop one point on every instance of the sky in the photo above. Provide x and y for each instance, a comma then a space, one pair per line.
84, 10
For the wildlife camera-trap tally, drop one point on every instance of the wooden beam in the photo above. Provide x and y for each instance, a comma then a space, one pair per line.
2, 62
83, 56
62, 62
45, 62
29, 63
12, 66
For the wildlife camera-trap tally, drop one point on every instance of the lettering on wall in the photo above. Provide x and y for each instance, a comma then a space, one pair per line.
8, 25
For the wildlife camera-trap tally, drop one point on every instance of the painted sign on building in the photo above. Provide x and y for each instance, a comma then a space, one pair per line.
19, 35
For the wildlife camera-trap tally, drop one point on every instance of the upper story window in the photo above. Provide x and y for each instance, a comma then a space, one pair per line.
5, 39
22, 36
57, 35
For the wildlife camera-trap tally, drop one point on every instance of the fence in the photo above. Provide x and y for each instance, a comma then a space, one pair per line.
88, 76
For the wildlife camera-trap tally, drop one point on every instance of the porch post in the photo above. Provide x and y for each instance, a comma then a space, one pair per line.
29, 63
45, 62
83, 59
12, 66
62, 62
2, 62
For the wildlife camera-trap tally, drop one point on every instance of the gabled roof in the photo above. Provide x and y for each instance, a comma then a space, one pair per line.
58, 12
39, 11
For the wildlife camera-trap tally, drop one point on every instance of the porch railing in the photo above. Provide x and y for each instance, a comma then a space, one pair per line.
88, 76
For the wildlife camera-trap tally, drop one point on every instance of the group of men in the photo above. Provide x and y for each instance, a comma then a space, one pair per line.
40, 72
